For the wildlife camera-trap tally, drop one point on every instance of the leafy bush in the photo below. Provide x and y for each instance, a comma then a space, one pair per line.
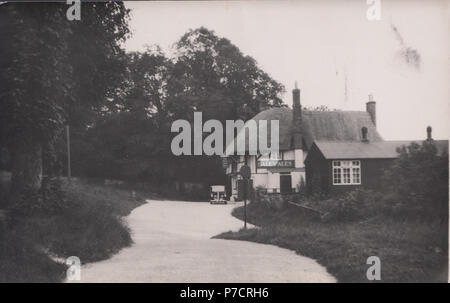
356, 204
88, 225
417, 183
20, 261
48, 200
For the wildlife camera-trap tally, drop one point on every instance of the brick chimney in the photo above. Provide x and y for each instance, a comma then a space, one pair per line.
297, 118
429, 129
371, 108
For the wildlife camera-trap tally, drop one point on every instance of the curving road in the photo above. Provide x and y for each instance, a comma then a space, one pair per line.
173, 244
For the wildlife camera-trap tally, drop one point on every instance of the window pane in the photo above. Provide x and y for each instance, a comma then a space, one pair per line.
336, 176
346, 176
356, 176
274, 156
346, 172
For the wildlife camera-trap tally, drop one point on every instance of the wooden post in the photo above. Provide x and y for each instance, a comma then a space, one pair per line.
245, 202
69, 171
246, 174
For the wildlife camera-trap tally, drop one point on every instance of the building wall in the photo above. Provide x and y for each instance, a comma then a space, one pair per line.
273, 181
371, 175
296, 179
269, 178
260, 180
316, 169
319, 172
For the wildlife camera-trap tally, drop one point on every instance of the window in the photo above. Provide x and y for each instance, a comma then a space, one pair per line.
346, 172
270, 156
275, 156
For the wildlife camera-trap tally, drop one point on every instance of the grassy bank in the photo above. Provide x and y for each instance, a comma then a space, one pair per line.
90, 227
410, 251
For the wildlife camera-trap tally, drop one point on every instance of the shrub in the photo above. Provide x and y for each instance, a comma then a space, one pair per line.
354, 205
417, 183
49, 199
20, 261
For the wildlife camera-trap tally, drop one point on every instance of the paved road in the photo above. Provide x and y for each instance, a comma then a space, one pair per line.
173, 244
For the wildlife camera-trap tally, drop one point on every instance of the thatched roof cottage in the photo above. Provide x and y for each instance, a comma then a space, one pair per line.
333, 151
284, 172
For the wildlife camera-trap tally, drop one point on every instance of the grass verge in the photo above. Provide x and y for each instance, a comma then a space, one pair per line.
409, 251
91, 227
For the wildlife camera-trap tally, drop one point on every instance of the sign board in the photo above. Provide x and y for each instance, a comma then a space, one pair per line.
225, 162
216, 188
245, 172
245, 189
275, 163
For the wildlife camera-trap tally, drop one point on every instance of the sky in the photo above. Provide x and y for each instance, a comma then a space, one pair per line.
335, 53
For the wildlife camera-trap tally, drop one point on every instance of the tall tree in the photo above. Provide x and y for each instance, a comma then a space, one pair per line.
213, 76
134, 135
35, 81
145, 88
54, 72
98, 60
131, 140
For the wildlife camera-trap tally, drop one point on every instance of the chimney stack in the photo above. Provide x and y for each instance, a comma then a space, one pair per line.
297, 117
429, 129
371, 108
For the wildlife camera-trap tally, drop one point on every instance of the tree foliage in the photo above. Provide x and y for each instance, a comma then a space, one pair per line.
418, 180
53, 72
132, 138
34, 74
98, 60
212, 75
119, 105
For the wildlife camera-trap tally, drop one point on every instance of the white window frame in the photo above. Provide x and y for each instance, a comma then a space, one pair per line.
275, 156
346, 172
271, 156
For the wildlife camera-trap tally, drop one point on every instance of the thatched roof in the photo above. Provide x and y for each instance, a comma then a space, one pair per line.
319, 125
369, 150
337, 126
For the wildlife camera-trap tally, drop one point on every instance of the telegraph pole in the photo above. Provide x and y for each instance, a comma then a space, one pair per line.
69, 172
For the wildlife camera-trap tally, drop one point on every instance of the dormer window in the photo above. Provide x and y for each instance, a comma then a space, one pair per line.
364, 132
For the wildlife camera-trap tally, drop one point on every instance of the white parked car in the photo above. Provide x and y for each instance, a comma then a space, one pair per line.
218, 195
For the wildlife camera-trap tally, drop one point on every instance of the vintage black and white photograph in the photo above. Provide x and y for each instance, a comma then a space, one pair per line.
225, 142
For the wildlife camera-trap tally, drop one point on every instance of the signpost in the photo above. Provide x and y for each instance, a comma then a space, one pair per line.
246, 173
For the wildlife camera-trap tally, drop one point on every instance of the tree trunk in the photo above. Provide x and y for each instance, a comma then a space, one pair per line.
26, 166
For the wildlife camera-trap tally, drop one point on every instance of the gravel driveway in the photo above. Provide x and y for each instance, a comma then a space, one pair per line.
173, 244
